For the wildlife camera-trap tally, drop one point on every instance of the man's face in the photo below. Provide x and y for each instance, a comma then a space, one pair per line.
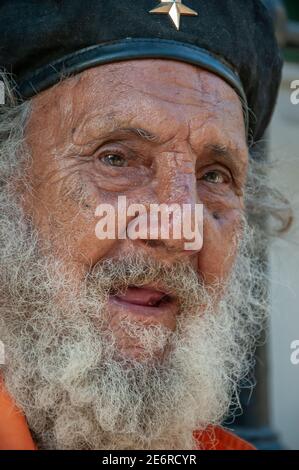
126, 343
157, 132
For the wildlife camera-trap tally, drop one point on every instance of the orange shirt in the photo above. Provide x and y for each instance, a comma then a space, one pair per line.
15, 434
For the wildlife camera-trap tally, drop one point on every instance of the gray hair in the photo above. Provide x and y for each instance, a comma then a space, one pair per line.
13, 118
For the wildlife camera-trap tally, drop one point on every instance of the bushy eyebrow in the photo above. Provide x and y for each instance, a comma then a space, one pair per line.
224, 153
215, 149
219, 150
143, 134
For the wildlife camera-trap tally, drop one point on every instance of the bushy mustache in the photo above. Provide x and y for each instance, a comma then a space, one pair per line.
179, 280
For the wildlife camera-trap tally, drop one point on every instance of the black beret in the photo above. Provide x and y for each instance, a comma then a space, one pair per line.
42, 40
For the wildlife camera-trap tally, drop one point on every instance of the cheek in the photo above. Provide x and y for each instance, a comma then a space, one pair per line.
77, 241
65, 223
219, 250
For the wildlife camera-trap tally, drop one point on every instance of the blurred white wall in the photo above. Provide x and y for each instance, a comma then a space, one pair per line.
284, 262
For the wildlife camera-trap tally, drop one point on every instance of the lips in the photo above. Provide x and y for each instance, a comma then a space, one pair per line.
143, 296
146, 305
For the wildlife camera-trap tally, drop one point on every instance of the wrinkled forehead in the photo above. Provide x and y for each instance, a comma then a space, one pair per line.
163, 96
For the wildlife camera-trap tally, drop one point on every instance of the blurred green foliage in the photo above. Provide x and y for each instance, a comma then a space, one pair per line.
291, 54
292, 7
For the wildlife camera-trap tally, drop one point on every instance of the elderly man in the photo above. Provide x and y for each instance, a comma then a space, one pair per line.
128, 343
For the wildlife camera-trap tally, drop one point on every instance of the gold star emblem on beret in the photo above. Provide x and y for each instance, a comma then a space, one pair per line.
174, 8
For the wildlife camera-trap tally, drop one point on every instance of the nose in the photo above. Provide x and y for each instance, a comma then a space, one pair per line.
175, 219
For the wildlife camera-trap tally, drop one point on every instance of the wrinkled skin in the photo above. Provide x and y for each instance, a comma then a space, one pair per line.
196, 153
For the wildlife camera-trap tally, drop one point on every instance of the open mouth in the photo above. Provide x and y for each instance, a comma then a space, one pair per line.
144, 296
147, 305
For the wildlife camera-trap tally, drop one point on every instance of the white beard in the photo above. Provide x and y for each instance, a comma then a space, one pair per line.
64, 374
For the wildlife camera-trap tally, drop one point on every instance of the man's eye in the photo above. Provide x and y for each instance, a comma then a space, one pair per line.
114, 160
215, 177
